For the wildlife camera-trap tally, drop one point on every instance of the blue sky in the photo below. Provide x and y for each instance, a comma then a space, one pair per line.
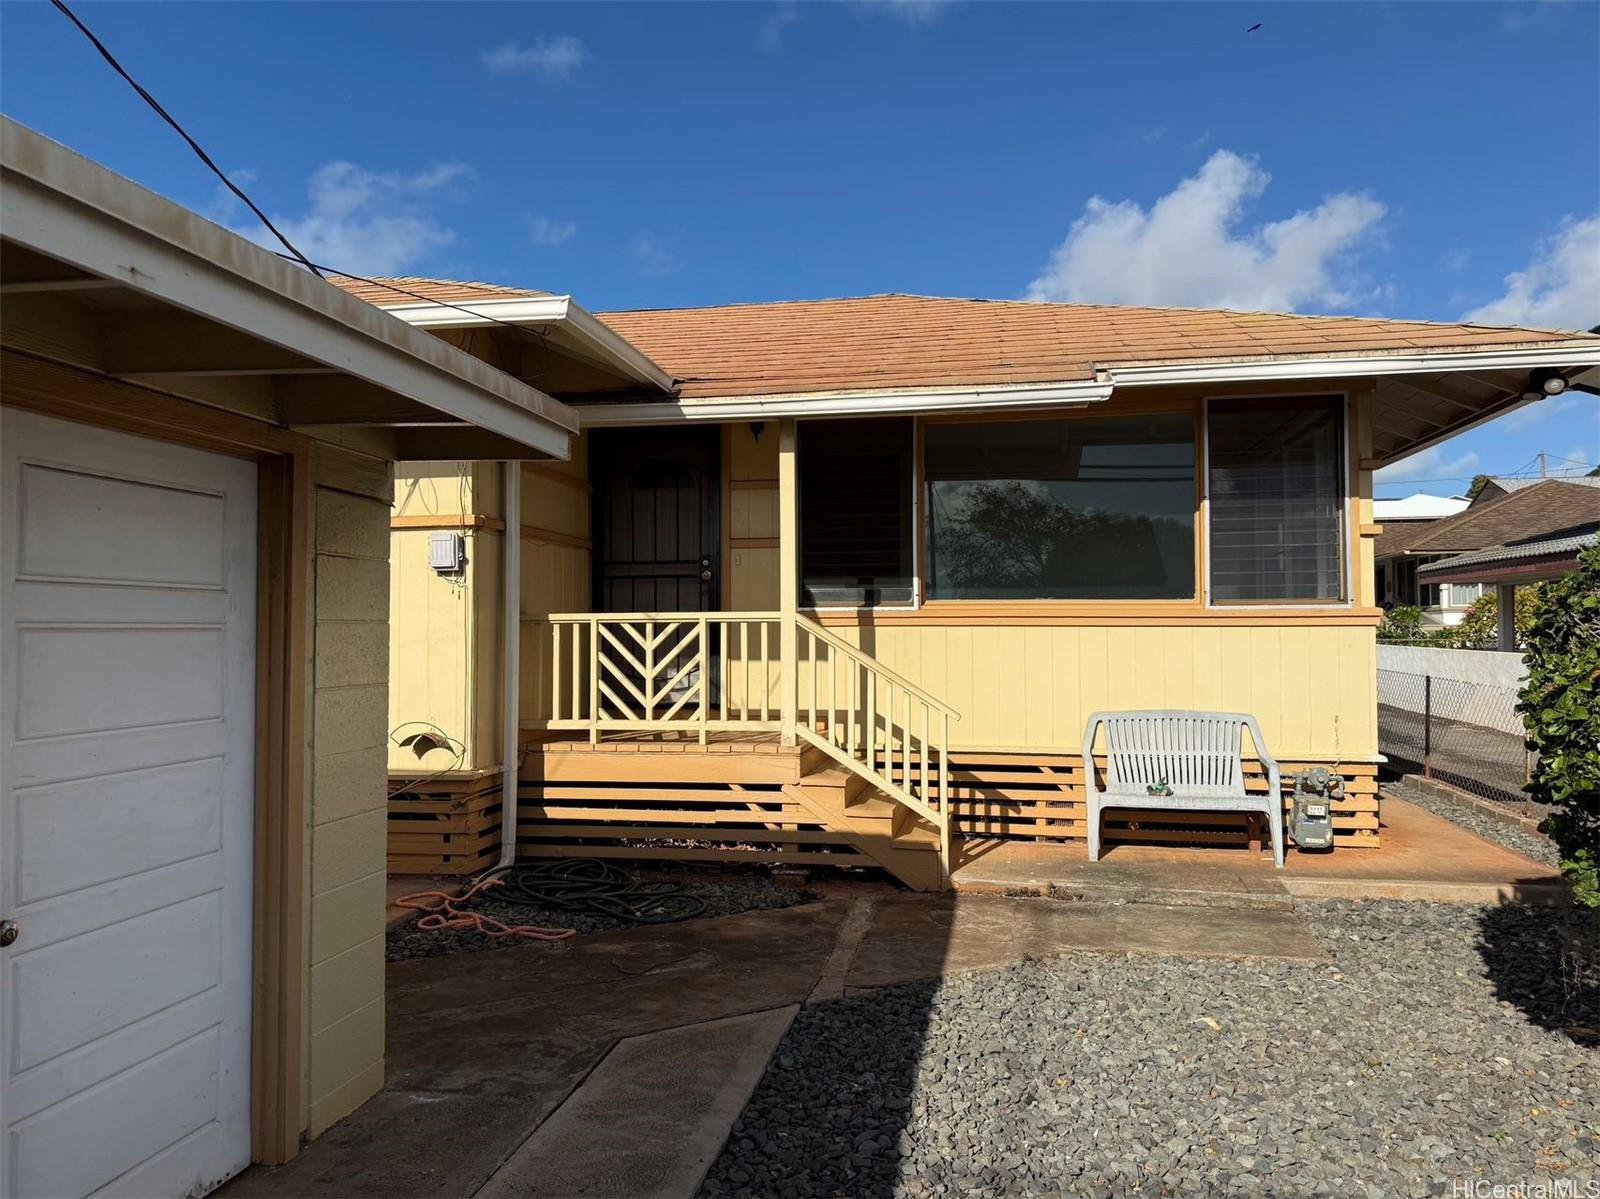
1416, 160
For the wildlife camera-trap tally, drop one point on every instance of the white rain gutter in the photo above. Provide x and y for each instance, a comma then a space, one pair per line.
590, 334
854, 403
511, 730
1578, 352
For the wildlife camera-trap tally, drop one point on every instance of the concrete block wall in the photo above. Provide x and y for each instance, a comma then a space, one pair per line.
350, 706
1493, 668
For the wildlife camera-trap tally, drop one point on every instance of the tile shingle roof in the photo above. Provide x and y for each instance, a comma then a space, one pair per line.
895, 341
413, 289
905, 341
1548, 508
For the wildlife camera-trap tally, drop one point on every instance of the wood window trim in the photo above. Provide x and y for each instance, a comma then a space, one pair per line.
1092, 613
1349, 518
1143, 407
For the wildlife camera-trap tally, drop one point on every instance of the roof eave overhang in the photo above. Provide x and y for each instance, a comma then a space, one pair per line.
821, 405
1531, 569
590, 334
61, 205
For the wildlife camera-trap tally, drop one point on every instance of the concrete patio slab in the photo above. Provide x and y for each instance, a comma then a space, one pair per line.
1423, 857
679, 1092
915, 937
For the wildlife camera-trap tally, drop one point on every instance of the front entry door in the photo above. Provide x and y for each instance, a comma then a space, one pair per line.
657, 527
127, 575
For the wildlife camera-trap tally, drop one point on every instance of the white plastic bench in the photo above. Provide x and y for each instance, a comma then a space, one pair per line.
1198, 755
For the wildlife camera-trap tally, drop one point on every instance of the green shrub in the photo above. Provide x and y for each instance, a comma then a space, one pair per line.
1480, 627
1403, 623
1560, 707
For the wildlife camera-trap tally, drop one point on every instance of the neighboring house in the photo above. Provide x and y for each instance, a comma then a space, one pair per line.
1514, 510
1534, 558
1503, 509
1419, 506
1499, 485
857, 572
197, 448
1395, 577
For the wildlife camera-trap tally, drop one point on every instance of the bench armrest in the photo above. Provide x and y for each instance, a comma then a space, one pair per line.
1090, 790
1274, 777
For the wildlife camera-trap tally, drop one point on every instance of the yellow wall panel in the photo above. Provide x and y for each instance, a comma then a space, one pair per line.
1034, 687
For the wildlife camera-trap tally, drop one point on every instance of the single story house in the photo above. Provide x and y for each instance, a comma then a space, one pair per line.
1395, 576
1533, 559
841, 581
1515, 512
197, 443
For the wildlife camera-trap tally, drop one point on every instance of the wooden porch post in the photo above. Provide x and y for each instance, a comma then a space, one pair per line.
788, 579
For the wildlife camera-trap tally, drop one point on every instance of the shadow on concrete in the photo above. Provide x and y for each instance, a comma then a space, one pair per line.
1546, 962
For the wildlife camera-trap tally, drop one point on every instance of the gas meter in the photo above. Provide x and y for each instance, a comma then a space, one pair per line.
1311, 824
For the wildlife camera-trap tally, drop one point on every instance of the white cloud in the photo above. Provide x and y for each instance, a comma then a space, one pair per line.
366, 222
546, 232
1188, 251
652, 256
1538, 16
556, 58
1539, 411
1559, 289
783, 15
1436, 464
912, 12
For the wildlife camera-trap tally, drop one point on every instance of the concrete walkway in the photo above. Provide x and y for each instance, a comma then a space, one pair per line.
614, 1065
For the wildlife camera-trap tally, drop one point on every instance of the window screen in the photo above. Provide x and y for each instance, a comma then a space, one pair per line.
1061, 509
855, 512
1276, 500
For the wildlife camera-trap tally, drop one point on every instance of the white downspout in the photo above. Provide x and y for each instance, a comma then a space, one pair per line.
511, 654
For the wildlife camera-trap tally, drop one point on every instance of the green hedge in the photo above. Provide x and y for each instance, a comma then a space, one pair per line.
1560, 707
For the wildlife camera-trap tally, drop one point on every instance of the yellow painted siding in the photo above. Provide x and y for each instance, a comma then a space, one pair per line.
349, 681
1032, 688
751, 520
430, 663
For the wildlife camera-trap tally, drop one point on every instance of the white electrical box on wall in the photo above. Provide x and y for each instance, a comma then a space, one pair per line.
447, 552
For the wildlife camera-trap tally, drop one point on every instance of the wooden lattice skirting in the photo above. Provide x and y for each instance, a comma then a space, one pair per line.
444, 826
1040, 797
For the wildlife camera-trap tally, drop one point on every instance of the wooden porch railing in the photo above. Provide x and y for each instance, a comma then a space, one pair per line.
709, 672
654, 672
877, 724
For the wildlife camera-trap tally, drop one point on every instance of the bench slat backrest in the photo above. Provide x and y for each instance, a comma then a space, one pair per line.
1197, 753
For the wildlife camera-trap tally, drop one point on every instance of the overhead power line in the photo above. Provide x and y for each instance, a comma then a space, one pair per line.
184, 133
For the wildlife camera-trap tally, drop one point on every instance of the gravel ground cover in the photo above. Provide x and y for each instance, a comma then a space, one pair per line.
722, 897
1532, 845
1437, 1044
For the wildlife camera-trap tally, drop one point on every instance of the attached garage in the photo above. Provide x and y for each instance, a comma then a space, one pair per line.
196, 452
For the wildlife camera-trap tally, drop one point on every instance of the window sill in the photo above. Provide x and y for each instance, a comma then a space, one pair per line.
1091, 613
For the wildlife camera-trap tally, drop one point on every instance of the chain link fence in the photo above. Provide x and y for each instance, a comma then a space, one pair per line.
1466, 734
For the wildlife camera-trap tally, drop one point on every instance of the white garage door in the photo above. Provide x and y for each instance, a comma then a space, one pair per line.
126, 784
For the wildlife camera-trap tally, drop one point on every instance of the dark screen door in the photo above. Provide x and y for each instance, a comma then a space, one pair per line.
657, 513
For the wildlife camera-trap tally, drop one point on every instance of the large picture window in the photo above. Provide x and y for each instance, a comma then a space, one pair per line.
1276, 500
1061, 509
855, 505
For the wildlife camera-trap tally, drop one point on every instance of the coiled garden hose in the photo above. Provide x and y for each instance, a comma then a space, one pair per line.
587, 886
